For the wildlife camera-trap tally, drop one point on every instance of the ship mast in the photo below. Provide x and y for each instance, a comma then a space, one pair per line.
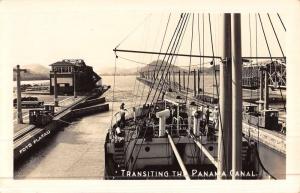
230, 128
225, 129
236, 95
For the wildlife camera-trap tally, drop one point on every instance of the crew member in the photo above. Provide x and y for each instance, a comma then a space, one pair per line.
122, 115
208, 129
206, 111
215, 115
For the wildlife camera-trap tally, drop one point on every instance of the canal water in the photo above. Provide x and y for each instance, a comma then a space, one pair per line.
77, 151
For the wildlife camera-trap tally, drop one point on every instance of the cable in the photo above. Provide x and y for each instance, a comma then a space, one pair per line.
217, 89
199, 37
132, 31
262, 27
149, 108
203, 53
179, 50
113, 97
134, 87
251, 65
281, 21
164, 80
169, 61
145, 46
250, 36
176, 42
156, 75
131, 60
256, 53
178, 45
276, 35
191, 51
272, 63
283, 57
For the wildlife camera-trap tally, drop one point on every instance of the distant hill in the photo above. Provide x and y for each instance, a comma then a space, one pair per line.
34, 72
153, 66
210, 70
103, 71
109, 71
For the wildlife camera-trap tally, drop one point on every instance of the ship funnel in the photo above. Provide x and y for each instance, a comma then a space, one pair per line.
162, 115
196, 127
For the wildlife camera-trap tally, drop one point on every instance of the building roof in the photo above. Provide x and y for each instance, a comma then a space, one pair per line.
264, 62
69, 62
62, 63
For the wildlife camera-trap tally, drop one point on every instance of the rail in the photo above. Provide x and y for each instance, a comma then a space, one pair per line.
206, 152
179, 160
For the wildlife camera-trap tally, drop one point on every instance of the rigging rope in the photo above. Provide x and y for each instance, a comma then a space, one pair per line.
149, 74
170, 58
217, 90
176, 56
137, 92
131, 60
276, 36
156, 75
113, 94
281, 21
283, 57
272, 63
203, 54
256, 53
145, 46
173, 66
200, 61
262, 27
132, 31
175, 43
137, 70
178, 44
251, 66
191, 51
250, 37
145, 131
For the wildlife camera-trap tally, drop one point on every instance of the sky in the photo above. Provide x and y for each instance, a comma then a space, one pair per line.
40, 34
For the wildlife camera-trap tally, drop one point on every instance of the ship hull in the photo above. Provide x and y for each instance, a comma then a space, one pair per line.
155, 160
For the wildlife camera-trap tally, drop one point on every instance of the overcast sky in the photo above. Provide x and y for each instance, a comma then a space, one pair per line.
40, 34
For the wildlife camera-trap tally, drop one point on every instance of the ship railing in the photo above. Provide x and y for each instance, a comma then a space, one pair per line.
131, 112
173, 129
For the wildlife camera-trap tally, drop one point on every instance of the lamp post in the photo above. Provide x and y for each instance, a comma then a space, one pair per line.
55, 89
19, 97
74, 78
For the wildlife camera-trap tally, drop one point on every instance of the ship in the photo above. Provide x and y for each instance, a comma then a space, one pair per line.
176, 136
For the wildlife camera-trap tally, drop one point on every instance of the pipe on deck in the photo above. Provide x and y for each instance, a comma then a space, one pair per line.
181, 164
